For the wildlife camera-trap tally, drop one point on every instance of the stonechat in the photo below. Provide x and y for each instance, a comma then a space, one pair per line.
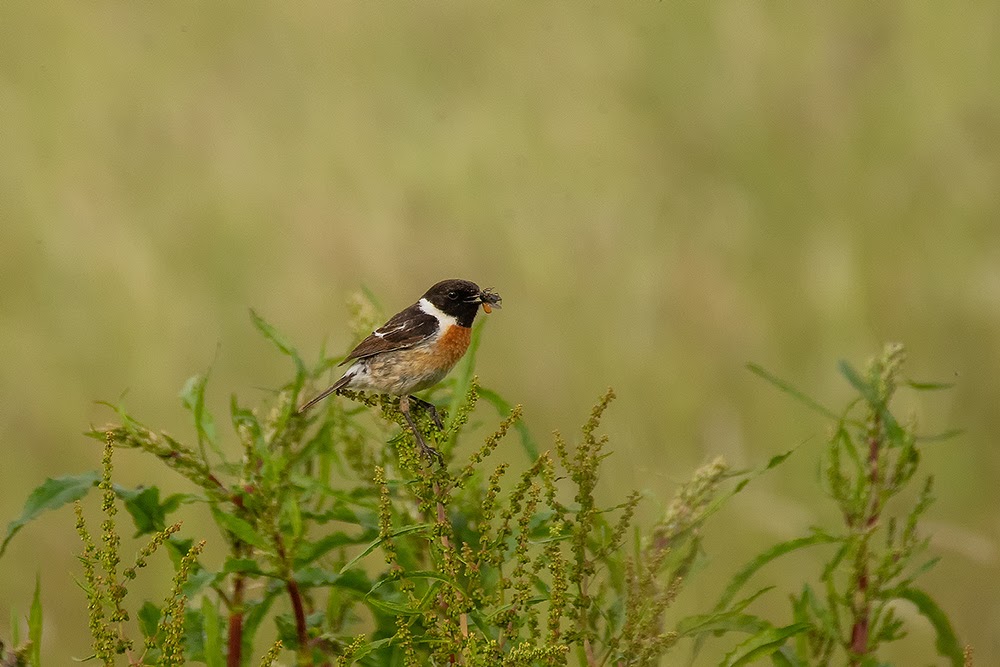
416, 349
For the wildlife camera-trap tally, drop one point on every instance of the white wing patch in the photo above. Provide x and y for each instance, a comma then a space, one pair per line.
383, 332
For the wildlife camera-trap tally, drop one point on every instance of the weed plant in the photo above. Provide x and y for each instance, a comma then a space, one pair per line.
345, 547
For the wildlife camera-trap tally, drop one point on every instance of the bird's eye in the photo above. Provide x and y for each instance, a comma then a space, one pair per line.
452, 295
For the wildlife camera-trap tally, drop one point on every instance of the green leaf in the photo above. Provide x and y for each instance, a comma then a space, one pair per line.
244, 417
864, 388
312, 577
310, 551
199, 579
741, 577
747, 476
35, 625
149, 619
243, 566
272, 335
291, 517
240, 528
870, 394
255, 611
392, 607
287, 634
809, 608
194, 635
415, 528
213, 633
785, 658
940, 437
315, 577
504, 408
947, 643
148, 513
421, 574
15, 628
728, 620
193, 398
340, 512
762, 644
790, 390
177, 548
371, 647
51, 494
929, 386
692, 626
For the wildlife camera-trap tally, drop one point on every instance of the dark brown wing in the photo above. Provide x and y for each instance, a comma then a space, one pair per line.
406, 329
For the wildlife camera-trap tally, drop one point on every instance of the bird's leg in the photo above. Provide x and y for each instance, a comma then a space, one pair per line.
425, 449
431, 410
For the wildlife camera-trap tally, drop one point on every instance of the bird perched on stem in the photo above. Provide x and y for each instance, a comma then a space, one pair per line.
415, 349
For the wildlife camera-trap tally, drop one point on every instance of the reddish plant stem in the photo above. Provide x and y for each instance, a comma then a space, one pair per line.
860, 629
295, 595
235, 635
301, 632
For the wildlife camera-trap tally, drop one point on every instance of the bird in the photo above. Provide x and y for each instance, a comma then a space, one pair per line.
416, 349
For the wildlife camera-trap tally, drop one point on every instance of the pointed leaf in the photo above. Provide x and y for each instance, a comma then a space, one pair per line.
35, 625
149, 619
416, 528
310, 551
929, 386
392, 607
785, 658
148, 513
741, 577
893, 430
371, 647
312, 577
51, 494
940, 437
213, 633
255, 613
790, 390
693, 626
240, 528
199, 579
762, 644
748, 476
243, 566
15, 627
193, 398
947, 643
279, 341
857, 381
244, 417
421, 574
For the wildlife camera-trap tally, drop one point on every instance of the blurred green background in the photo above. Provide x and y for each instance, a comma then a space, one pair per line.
662, 191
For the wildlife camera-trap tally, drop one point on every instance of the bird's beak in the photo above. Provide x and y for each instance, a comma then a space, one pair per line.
489, 299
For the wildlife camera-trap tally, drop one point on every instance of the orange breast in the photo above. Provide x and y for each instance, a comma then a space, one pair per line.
452, 344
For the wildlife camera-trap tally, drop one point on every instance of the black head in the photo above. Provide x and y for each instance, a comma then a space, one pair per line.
460, 299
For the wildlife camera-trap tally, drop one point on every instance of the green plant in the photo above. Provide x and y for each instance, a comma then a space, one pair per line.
871, 459
27, 654
356, 551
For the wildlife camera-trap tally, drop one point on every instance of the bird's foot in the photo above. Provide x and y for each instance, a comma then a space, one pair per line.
431, 410
429, 452
425, 449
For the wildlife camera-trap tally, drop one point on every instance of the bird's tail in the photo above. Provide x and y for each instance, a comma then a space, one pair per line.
339, 384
